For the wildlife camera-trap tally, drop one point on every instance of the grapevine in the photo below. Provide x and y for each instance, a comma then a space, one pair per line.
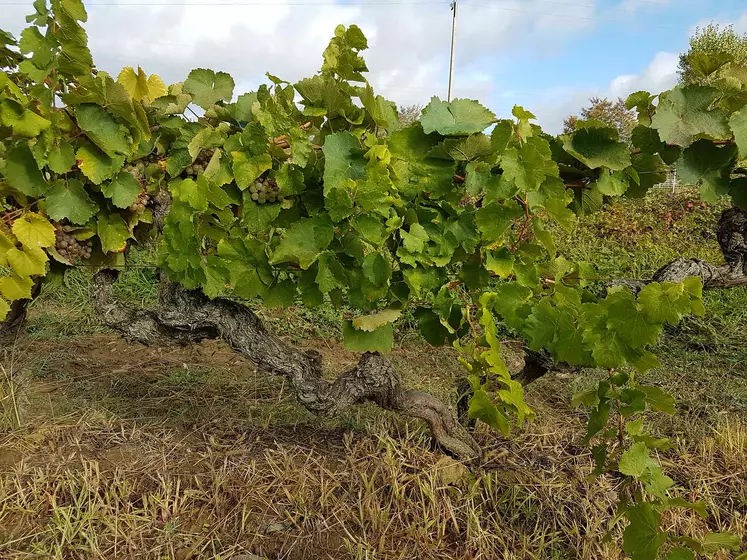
332, 200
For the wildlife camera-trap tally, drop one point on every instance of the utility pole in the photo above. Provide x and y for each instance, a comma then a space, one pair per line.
453, 45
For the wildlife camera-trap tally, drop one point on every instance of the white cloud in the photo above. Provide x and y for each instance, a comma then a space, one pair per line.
408, 43
555, 105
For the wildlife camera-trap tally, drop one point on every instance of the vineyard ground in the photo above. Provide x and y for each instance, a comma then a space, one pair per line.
131, 452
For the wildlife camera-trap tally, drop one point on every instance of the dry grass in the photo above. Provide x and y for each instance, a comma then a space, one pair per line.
124, 452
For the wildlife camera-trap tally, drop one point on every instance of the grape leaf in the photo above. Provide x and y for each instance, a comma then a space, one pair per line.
96, 165
457, 118
247, 169
22, 172
380, 339
684, 114
103, 130
69, 200
113, 233
482, 408
29, 261
191, 192
706, 165
370, 323
738, 125
33, 230
16, 287
208, 87
61, 158
598, 147
124, 190
642, 538
303, 242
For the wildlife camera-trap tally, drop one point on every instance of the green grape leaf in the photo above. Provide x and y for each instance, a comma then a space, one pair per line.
612, 183
103, 130
380, 339
658, 399
494, 219
194, 193
208, 87
528, 166
247, 266
463, 149
16, 287
628, 321
370, 323
25, 123
483, 409
29, 261
124, 190
598, 419
714, 542
331, 274
457, 118
635, 461
96, 165
598, 147
33, 230
416, 239
684, 114
69, 200
738, 125
113, 233
706, 165
248, 169
22, 172
280, 293
303, 242
61, 158
258, 217
340, 164
681, 554
643, 538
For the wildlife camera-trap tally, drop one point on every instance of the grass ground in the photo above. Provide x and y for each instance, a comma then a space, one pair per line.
112, 450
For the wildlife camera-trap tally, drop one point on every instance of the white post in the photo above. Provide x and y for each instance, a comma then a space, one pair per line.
453, 45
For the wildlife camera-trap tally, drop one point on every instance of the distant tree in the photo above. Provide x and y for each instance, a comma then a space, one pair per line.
612, 113
714, 45
409, 113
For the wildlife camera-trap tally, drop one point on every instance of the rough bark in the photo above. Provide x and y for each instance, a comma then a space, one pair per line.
187, 316
732, 238
16, 318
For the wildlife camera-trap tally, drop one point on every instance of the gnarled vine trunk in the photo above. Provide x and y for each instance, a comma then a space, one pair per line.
15, 321
732, 238
187, 316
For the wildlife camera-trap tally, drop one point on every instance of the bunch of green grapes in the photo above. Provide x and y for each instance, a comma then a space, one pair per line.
264, 190
142, 201
136, 169
69, 247
200, 163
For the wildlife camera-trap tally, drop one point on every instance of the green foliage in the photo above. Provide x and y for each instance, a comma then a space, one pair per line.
333, 199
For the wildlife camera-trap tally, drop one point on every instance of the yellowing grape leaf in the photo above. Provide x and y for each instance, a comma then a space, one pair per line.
139, 86
370, 323
34, 230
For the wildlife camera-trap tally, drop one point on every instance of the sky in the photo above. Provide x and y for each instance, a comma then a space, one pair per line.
549, 56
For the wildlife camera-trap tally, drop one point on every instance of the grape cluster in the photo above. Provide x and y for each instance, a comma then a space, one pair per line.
69, 247
137, 170
200, 163
264, 190
142, 201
